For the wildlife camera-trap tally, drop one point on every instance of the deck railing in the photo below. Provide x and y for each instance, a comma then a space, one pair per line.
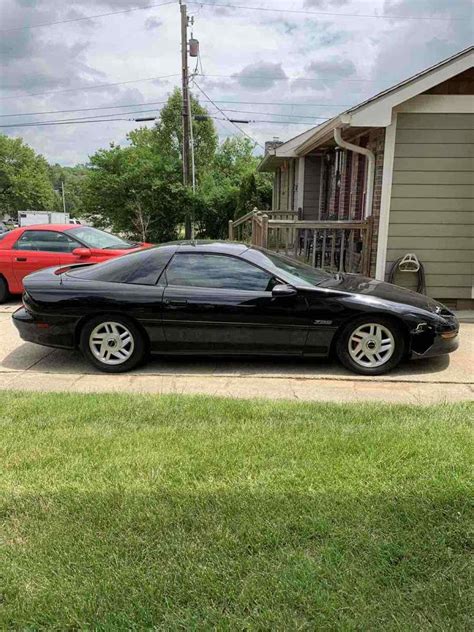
343, 246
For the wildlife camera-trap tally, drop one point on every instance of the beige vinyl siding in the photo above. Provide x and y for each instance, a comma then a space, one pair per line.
433, 164
432, 201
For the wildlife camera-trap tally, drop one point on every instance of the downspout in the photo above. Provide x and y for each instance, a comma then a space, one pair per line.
370, 168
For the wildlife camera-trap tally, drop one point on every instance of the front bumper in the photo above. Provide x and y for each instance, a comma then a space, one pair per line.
52, 331
438, 346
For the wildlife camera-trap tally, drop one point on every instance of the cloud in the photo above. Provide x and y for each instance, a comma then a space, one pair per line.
112, 4
321, 74
260, 76
249, 56
153, 23
415, 45
324, 4
331, 68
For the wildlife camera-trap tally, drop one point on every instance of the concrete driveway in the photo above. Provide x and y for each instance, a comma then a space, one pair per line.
25, 366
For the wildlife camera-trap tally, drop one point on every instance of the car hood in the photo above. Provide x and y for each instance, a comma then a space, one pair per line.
358, 284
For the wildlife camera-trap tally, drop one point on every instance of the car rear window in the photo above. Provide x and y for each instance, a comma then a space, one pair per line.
138, 268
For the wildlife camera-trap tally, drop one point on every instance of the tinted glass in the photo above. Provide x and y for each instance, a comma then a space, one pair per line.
46, 241
295, 271
140, 268
216, 271
94, 238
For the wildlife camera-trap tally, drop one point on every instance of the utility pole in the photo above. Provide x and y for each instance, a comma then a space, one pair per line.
64, 196
185, 108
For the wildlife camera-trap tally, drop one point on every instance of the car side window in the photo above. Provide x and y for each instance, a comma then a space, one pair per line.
136, 268
218, 272
45, 241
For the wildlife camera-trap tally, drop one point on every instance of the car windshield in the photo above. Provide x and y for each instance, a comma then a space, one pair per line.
94, 238
300, 271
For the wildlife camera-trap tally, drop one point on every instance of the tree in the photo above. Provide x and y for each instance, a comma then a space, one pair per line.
133, 190
232, 187
72, 178
167, 134
138, 189
24, 178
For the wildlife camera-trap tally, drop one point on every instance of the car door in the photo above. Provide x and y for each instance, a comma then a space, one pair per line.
34, 250
219, 303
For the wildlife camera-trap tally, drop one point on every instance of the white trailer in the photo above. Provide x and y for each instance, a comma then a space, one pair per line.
30, 218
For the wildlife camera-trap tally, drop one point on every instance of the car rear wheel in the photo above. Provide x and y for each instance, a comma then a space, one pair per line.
4, 293
113, 344
371, 346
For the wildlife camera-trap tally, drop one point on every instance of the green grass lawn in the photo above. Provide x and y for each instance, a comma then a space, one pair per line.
194, 513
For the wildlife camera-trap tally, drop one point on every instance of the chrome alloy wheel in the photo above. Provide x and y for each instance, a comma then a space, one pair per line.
111, 343
371, 345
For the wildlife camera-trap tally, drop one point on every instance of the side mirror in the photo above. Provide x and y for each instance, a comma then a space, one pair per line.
84, 253
282, 290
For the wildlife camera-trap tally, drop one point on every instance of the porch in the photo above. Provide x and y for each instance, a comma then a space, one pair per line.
333, 245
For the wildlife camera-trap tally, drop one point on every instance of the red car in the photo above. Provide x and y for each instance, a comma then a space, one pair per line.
25, 250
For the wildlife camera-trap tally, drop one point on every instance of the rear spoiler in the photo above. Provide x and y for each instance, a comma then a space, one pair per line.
72, 266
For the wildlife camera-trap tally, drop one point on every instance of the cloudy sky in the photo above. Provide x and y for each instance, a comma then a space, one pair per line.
298, 61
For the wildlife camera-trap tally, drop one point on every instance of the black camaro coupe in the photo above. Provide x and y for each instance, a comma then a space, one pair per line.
228, 298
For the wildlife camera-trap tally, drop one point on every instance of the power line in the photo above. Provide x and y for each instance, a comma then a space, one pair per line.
322, 105
93, 87
100, 119
104, 107
307, 123
83, 118
285, 78
70, 122
327, 13
275, 114
153, 118
131, 105
87, 17
225, 115
102, 115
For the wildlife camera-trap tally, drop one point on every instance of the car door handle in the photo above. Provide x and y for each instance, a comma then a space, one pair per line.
175, 302
21, 259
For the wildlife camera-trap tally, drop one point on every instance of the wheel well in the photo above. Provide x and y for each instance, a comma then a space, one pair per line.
397, 321
85, 319
4, 278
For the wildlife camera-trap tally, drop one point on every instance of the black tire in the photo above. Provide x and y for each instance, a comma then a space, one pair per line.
345, 344
4, 292
136, 349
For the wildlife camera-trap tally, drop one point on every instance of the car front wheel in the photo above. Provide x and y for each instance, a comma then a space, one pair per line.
4, 293
371, 346
112, 344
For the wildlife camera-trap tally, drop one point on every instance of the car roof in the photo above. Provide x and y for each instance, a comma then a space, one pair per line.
48, 227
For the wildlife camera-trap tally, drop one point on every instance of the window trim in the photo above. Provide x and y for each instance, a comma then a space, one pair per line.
205, 287
57, 232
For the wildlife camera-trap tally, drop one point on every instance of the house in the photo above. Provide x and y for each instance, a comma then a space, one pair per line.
404, 158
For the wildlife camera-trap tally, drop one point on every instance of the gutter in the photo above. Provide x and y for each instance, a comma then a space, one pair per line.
370, 169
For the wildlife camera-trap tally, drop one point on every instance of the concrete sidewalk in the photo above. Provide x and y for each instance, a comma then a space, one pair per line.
24, 366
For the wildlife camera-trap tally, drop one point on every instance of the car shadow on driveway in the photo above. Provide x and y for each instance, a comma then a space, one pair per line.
31, 357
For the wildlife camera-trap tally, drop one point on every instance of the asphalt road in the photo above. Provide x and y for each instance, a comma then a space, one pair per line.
25, 366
